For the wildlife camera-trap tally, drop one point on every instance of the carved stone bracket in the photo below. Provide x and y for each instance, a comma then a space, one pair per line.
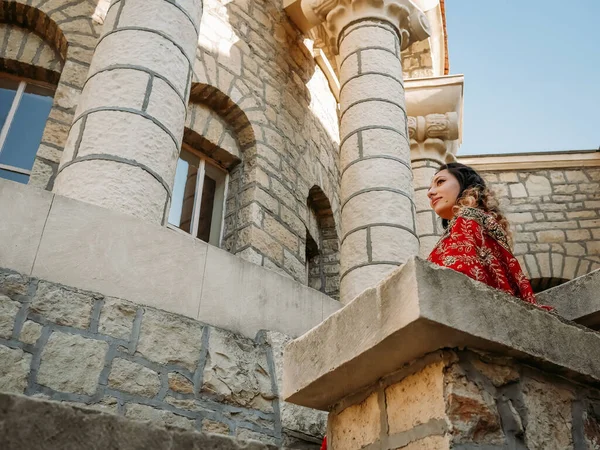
429, 135
335, 15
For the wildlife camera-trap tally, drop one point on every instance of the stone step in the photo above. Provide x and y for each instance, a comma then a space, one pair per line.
32, 424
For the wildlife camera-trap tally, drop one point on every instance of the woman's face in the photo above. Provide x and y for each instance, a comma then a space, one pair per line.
443, 194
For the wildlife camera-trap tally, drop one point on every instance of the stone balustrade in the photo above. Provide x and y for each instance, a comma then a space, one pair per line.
433, 359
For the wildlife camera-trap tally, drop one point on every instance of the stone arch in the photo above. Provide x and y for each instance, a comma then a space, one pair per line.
549, 269
72, 30
35, 46
322, 245
216, 124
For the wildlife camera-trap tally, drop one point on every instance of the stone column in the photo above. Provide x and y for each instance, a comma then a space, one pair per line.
378, 213
431, 146
124, 143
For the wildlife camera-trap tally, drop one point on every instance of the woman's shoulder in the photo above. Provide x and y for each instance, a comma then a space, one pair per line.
487, 221
475, 214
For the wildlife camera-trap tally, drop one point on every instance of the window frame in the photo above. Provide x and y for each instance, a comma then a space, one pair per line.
23, 84
195, 220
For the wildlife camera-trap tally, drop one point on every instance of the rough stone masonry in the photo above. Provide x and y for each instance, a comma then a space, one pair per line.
108, 354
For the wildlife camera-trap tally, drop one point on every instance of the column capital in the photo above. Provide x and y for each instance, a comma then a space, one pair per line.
437, 126
432, 136
335, 15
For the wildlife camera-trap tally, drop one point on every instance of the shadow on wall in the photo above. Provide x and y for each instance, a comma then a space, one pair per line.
322, 245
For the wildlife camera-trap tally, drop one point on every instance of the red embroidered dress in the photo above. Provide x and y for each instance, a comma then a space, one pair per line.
475, 244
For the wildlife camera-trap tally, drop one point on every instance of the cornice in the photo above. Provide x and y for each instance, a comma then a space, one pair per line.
533, 161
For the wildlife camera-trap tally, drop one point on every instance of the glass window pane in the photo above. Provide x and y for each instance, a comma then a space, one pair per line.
206, 208
18, 177
7, 95
184, 190
25, 132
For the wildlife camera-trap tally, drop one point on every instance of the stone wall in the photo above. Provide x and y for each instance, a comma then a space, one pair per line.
252, 53
257, 94
82, 348
468, 400
71, 30
556, 217
416, 60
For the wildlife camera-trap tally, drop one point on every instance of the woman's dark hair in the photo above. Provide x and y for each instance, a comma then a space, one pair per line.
468, 179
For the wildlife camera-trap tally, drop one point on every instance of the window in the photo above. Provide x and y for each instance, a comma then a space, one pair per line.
24, 109
199, 194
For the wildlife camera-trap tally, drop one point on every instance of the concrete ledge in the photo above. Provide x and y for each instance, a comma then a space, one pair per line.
578, 300
29, 424
84, 246
417, 310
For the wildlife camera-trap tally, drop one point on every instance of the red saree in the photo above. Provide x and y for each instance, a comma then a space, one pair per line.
476, 245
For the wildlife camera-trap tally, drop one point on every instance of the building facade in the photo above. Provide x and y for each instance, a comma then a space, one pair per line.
178, 175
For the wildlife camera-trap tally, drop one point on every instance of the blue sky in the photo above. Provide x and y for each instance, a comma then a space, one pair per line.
532, 73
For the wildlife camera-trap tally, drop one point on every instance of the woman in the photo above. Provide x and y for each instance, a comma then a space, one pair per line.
476, 240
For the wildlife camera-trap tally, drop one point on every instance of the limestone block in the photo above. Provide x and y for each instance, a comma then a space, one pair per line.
363, 278
367, 37
179, 383
55, 133
83, 357
30, 332
354, 250
13, 285
498, 374
293, 417
349, 151
251, 298
8, 312
144, 49
417, 399
170, 339
144, 412
377, 60
14, 369
211, 426
387, 142
374, 115
472, 411
357, 426
548, 415
110, 132
115, 186
392, 244
20, 204
293, 265
133, 378
371, 87
538, 186
429, 443
27, 420
377, 207
278, 231
237, 372
119, 262
550, 236
245, 434
426, 222
165, 18
349, 67
127, 88
63, 306
520, 217
576, 176
374, 173
517, 190
166, 106
116, 318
